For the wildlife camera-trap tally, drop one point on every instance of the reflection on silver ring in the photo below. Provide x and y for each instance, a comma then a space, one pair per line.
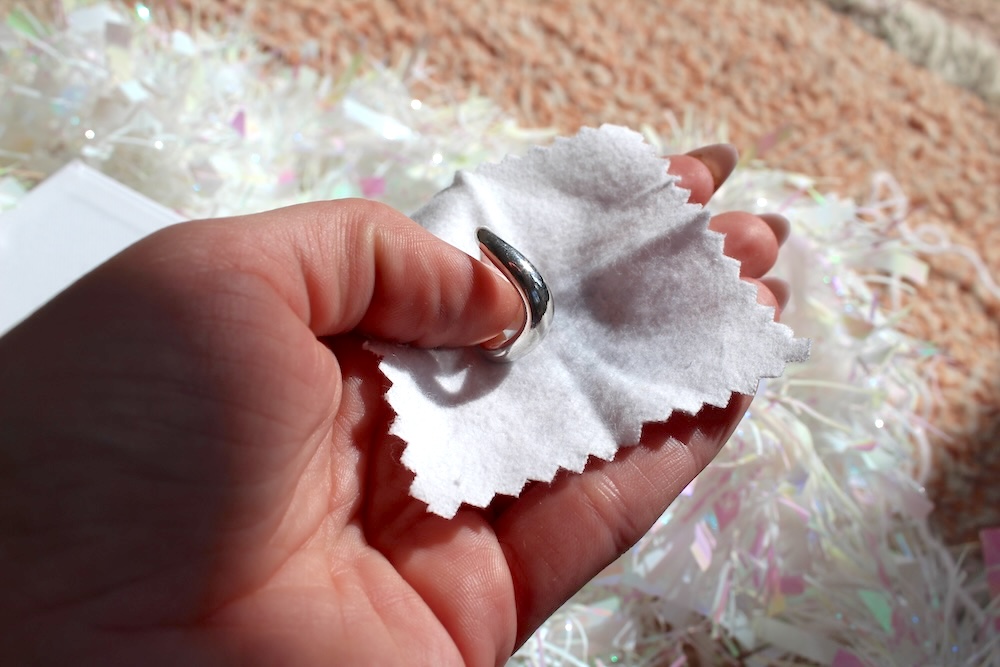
533, 290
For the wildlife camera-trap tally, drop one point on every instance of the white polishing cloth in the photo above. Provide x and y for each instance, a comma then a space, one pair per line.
650, 317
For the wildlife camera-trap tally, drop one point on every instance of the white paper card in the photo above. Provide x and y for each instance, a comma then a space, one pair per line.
72, 222
650, 317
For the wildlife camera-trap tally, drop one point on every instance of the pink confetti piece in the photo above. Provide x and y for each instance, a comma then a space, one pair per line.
990, 540
726, 509
772, 569
901, 629
845, 658
798, 509
239, 123
704, 544
793, 585
372, 186
758, 542
722, 601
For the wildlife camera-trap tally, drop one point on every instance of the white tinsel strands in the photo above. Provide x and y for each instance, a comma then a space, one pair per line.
807, 537
210, 125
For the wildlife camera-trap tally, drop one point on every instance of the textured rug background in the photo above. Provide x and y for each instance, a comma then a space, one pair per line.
793, 82
958, 39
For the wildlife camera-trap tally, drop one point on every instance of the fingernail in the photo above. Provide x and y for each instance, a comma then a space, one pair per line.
779, 224
720, 159
785, 294
781, 290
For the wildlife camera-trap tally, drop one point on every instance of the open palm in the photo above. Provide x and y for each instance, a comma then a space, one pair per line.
194, 465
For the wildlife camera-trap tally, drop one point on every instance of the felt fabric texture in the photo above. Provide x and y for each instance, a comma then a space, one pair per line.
650, 318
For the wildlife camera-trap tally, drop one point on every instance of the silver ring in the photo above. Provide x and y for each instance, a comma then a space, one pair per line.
533, 290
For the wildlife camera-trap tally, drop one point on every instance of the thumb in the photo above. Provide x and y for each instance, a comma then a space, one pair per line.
359, 265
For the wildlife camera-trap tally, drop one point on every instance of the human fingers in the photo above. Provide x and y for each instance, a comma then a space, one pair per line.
779, 225
749, 240
557, 536
780, 290
703, 170
754, 241
352, 264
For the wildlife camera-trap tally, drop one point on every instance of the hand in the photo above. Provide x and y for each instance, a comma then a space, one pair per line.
194, 468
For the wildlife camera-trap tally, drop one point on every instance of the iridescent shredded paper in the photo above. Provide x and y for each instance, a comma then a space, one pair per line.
816, 498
